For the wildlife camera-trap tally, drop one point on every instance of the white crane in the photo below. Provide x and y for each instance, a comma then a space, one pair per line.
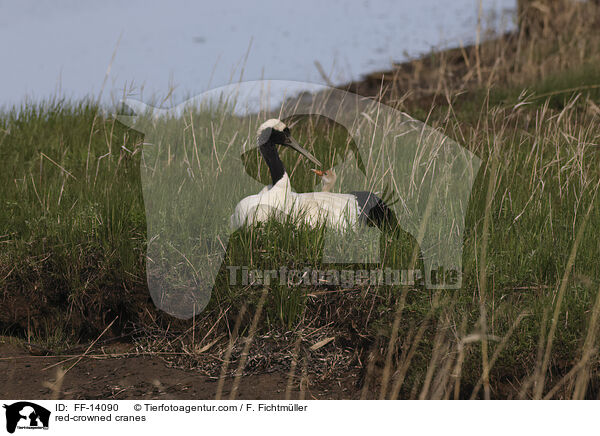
278, 197
339, 211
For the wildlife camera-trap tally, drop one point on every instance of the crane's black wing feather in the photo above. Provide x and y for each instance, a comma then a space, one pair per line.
374, 211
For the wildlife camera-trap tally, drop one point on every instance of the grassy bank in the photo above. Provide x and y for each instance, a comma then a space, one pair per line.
74, 239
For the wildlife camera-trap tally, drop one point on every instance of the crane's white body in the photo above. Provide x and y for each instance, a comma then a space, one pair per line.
339, 211
277, 200
271, 200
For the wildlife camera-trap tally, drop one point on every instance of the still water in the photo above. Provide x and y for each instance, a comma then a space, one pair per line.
77, 49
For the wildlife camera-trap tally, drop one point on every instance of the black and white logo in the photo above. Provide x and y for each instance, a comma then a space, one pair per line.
26, 415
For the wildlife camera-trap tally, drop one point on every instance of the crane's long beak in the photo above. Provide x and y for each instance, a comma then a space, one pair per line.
292, 143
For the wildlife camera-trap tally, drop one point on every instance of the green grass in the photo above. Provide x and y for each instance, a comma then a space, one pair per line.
74, 229
73, 224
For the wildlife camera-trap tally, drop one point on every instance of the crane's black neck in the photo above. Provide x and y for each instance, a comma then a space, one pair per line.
271, 157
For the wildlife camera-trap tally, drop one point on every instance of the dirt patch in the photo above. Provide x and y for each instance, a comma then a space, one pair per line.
23, 375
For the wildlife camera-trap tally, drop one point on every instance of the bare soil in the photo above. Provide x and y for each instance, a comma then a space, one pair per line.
24, 375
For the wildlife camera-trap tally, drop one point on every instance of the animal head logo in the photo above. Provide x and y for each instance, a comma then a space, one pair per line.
206, 159
25, 414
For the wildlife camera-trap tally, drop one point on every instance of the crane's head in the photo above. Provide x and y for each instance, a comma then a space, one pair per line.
328, 176
274, 132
